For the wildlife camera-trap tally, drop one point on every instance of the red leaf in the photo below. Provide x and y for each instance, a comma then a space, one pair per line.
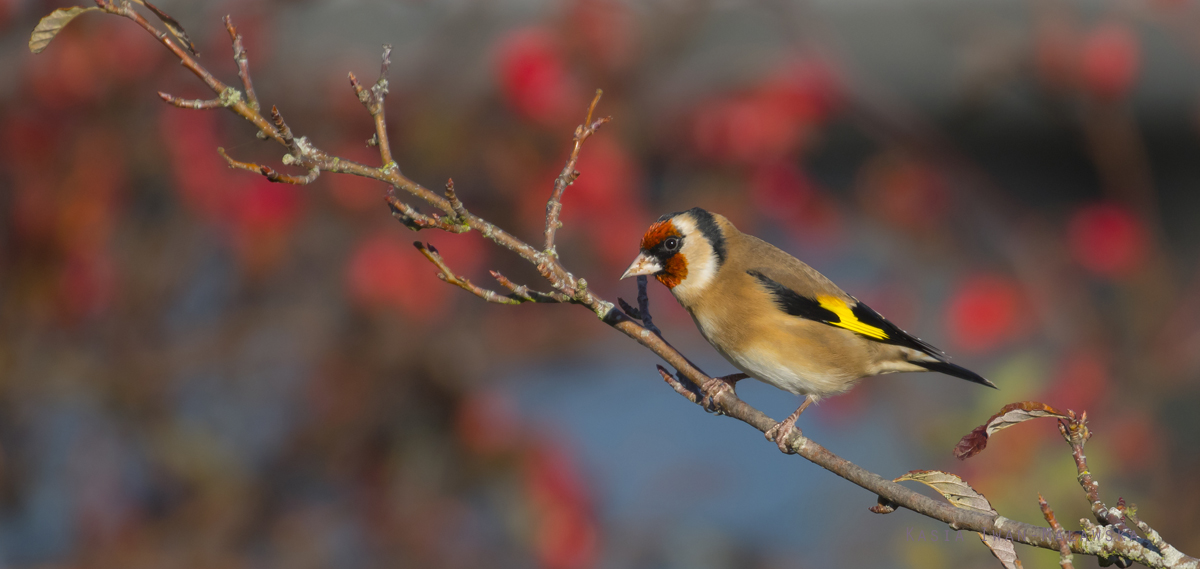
1010, 415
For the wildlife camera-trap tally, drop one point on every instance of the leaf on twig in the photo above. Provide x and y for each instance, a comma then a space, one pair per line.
962, 495
952, 488
49, 26
1013, 413
1003, 549
172, 25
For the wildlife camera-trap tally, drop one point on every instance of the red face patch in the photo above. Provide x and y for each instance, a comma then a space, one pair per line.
674, 271
674, 267
657, 232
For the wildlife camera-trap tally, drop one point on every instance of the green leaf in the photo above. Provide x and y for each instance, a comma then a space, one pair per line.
49, 26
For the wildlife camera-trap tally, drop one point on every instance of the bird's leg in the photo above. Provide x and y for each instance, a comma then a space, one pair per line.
718, 385
780, 431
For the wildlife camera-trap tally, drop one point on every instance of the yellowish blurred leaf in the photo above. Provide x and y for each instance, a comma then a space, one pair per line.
49, 26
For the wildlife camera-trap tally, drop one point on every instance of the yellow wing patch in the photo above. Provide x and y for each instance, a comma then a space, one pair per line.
847, 319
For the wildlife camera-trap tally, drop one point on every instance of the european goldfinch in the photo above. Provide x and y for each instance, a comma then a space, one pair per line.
775, 318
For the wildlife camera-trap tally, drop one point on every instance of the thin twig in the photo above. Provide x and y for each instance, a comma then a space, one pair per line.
196, 104
1076, 433
415, 220
568, 175
1151, 535
526, 293
682, 386
447, 275
271, 174
373, 99
243, 63
1064, 548
238, 164
232, 95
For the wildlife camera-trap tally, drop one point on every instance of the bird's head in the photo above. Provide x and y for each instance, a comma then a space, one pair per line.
682, 250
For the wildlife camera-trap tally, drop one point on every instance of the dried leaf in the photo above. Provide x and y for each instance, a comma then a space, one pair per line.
1003, 550
962, 495
1010, 415
172, 25
49, 26
1020, 412
952, 488
972, 443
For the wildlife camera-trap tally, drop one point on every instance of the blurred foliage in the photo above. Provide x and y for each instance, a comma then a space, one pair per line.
199, 368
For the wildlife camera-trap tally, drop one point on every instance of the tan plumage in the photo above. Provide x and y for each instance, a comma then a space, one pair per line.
773, 317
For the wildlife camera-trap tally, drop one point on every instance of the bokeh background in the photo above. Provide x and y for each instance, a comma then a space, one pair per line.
202, 369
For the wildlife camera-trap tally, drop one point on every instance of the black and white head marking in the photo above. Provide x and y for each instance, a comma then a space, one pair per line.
703, 246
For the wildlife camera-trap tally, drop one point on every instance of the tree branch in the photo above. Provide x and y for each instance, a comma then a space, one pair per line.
1064, 548
568, 175
243, 63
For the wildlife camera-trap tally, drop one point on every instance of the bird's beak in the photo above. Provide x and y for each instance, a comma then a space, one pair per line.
644, 264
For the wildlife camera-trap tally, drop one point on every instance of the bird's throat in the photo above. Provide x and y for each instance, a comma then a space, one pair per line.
674, 271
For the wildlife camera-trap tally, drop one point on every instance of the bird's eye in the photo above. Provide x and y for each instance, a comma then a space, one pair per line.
671, 243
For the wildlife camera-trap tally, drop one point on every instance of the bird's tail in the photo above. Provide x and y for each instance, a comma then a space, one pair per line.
954, 370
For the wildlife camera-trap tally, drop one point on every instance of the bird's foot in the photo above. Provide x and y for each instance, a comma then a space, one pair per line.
780, 432
718, 385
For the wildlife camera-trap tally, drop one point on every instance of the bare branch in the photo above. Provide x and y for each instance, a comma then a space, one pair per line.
682, 386
1074, 430
1168, 551
447, 275
271, 174
1063, 547
243, 63
415, 220
568, 175
197, 104
526, 293
372, 99
238, 164
228, 94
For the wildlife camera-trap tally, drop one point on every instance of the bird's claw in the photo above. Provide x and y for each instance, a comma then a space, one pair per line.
779, 434
716, 386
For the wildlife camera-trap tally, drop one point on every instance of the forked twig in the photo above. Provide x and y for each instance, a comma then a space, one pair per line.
462, 282
243, 63
568, 175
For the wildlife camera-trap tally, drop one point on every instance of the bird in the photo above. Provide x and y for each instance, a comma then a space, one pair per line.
775, 318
